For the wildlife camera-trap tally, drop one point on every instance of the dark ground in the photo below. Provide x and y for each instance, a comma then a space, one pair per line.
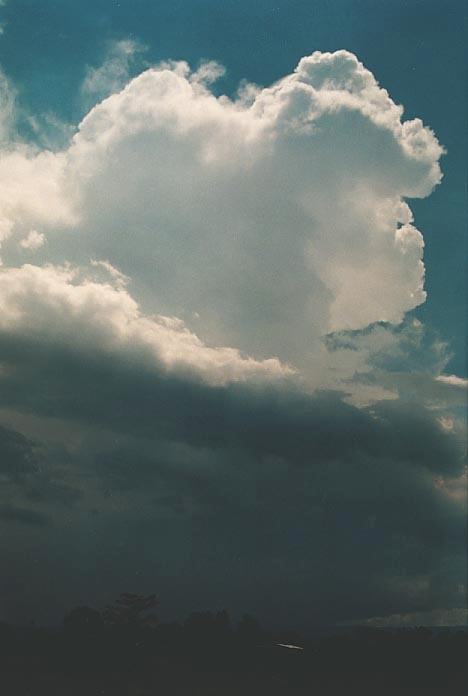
205, 656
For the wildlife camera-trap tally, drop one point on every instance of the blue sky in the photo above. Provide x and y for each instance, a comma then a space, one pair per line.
213, 333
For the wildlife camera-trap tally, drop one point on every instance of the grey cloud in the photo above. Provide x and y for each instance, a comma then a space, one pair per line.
43, 489
14, 514
305, 490
17, 455
279, 420
31, 472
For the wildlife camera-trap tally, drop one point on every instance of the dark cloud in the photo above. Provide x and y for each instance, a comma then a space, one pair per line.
43, 489
11, 513
279, 420
17, 455
31, 472
236, 495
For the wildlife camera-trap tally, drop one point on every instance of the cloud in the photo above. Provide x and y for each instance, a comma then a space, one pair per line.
53, 306
453, 380
212, 345
10, 513
263, 226
114, 71
29, 472
7, 107
201, 482
390, 362
31, 191
17, 456
33, 241
188, 480
207, 72
457, 616
65, 333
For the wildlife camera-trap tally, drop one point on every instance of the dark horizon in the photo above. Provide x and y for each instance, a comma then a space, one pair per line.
125, 650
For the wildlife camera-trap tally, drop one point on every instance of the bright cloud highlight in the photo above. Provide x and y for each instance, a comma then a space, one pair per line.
261, 223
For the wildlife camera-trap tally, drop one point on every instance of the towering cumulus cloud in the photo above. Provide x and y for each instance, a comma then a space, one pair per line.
262, 223
205, 364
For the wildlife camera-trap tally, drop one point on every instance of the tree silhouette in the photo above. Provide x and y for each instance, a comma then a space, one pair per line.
222, 621
132, 611
249, 629
83, 621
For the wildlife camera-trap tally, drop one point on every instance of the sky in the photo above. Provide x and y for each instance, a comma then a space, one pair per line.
233, 308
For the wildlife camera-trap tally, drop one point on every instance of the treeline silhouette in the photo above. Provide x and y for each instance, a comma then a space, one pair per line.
124, 650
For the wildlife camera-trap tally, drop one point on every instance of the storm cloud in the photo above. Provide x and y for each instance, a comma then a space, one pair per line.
210, 382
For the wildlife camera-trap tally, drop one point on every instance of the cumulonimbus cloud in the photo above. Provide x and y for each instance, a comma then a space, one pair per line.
198, 251
263, 222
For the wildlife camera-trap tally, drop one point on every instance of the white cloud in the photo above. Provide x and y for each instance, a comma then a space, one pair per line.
7, 106
262, 223
114, 71
119, 279
64, 306
33, 241
446, 423
454, 381
208, 71
33, 191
